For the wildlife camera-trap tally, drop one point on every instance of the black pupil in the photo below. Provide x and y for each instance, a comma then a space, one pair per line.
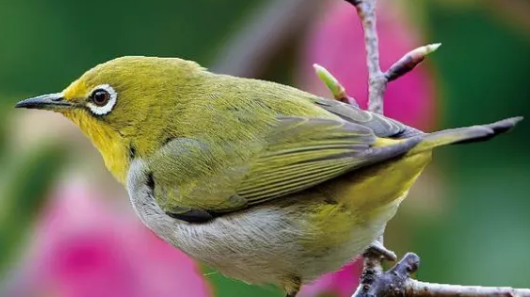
100, 97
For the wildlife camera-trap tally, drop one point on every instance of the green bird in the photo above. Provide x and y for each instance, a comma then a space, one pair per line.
264, 182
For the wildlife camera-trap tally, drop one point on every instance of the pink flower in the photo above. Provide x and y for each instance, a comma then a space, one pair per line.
336, 42
85, 247
340, 284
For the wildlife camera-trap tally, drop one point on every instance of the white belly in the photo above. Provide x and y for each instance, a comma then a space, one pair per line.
261, 245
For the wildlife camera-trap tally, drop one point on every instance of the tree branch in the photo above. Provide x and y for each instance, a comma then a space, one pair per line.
422, 289
397, 281
376, 79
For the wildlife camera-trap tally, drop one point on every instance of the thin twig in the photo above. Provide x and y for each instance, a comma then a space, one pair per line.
423, 289
376, 79
372, 272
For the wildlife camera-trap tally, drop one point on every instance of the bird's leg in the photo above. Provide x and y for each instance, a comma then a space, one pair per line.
377, 248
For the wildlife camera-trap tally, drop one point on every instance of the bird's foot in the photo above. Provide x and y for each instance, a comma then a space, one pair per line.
377, 248
388, 283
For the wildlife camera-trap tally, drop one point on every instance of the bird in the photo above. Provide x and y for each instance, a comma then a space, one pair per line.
264, 182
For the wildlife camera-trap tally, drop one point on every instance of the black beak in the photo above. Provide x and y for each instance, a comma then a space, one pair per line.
49, 101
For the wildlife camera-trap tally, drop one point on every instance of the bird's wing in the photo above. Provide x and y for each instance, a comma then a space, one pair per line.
194, 181
302, 152
380, 125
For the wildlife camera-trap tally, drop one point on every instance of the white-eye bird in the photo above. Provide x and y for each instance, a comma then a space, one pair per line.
264, 182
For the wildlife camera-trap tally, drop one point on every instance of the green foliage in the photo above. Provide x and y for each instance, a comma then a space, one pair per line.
24, 186
483, 69
225, 287
57, 40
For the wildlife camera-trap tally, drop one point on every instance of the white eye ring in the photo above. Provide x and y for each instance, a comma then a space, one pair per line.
101, 110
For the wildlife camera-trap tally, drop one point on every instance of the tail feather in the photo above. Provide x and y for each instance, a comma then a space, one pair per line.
465, 135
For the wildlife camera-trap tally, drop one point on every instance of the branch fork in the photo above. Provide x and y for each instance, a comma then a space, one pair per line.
397, 281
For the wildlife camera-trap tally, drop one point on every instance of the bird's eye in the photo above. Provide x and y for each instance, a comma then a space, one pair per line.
102, 100
100, 97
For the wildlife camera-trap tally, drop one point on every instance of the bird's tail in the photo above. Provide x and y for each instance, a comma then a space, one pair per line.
465, 135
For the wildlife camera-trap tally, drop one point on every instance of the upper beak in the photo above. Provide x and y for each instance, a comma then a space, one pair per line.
49, 101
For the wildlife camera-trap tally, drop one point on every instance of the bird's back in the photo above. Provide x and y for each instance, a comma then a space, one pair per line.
257, 98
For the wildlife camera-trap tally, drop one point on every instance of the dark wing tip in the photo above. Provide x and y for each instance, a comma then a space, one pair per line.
504, 125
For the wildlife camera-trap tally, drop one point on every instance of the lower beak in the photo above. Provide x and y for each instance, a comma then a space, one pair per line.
49, 101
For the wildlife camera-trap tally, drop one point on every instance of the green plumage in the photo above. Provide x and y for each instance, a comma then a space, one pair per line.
292, 185
220, 143
292, 154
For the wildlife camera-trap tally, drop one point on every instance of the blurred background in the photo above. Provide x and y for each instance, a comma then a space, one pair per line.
66, 227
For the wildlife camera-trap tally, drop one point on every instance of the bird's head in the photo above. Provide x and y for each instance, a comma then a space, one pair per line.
118, 93
123, 102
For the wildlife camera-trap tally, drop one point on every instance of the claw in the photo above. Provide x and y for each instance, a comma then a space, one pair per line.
378, 248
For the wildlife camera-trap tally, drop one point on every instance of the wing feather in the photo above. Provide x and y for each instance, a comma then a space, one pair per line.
296, 154
304, 152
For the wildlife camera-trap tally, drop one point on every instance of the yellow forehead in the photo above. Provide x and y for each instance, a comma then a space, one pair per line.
76, 90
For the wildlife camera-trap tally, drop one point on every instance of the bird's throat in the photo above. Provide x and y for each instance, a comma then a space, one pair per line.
111, 145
